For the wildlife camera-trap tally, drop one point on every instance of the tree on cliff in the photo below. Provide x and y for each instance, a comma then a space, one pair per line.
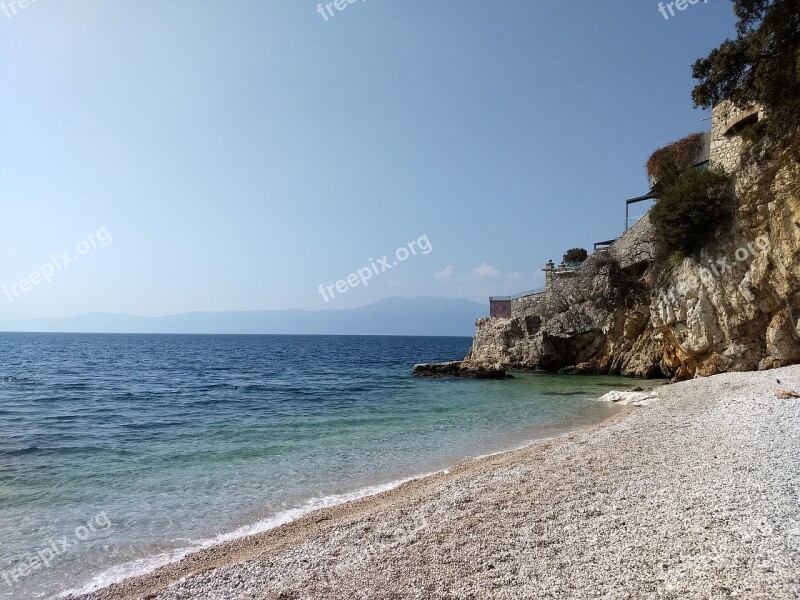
692, 205
575, 255
761, 65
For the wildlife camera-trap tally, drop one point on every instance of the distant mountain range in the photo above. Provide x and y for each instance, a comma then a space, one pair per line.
392, 316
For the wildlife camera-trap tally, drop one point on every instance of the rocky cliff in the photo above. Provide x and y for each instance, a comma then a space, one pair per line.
632, 310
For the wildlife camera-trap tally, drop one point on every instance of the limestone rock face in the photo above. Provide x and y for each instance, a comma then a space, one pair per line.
630, 311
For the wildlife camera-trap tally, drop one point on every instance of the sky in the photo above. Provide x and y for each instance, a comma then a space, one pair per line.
194, 155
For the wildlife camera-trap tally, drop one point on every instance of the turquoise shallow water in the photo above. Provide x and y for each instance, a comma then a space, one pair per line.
118, 452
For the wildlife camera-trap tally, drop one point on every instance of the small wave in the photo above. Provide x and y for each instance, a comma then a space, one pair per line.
215, 386
16, 380
155, 426
61, 418
75, 386
19, 451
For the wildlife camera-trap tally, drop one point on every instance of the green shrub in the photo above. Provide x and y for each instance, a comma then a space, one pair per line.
692, 205
575, 256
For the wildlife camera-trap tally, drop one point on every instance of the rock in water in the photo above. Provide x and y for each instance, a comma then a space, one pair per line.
459, 369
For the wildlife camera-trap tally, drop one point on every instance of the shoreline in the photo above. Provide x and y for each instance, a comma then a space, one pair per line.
204, 556
197, 555
323, 570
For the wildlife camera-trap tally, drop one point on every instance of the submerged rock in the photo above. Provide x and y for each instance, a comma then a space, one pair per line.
581, 369
459, 369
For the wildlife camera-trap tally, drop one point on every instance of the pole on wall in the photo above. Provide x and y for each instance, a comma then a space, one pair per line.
627, 209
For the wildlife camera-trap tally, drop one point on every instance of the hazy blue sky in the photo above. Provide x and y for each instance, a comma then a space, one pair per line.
241, 153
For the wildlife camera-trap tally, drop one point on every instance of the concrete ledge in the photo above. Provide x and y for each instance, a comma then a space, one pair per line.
739, 118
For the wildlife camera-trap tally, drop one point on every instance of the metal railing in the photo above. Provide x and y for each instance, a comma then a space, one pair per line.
516, 296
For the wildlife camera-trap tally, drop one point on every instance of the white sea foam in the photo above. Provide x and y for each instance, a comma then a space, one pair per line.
146, 565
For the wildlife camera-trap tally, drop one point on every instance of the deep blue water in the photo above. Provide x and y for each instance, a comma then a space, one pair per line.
133, 449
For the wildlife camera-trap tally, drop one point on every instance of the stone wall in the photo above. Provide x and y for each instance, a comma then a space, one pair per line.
526, 305
726, 146
638, 244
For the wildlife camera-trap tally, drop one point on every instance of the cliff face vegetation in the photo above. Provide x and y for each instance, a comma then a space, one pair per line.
635, 310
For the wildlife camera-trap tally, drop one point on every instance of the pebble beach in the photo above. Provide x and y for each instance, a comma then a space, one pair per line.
696, 495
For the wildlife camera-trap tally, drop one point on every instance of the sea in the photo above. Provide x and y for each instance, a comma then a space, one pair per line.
121, 453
